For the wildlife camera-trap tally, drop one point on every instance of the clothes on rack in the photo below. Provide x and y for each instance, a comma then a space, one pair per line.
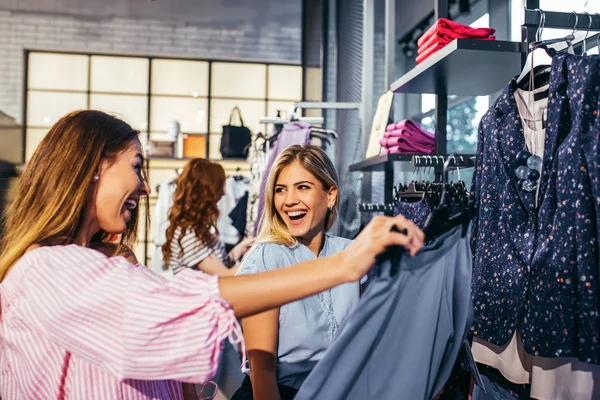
444, 31
161, 223
235, 188
407, 137
413, 317
294, 132
535, 273
238, 214
258, 155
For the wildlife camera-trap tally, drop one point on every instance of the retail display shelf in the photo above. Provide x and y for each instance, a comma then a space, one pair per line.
465, 67
378, 163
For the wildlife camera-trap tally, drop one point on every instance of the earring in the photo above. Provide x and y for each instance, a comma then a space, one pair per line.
96, 177
330, 208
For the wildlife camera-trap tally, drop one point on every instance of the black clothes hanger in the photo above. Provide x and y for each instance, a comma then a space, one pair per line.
440, 221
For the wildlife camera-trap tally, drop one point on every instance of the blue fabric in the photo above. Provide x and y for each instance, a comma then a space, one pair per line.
306, 327
403, 338
536, 270
416, 212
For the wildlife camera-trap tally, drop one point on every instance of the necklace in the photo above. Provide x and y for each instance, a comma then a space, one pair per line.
529, 165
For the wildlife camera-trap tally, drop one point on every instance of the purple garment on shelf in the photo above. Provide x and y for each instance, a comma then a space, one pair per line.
407, 137
295, 132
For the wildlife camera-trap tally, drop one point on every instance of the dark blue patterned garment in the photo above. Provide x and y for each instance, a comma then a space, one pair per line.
416, 212
536, 270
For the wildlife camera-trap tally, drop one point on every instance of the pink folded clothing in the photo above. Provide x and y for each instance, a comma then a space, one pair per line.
450, 28
440, 38
406, 126
412, 134
435, 45
407, 137
444, 31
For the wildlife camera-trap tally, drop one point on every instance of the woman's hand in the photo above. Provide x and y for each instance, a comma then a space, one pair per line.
242, 248
360, 256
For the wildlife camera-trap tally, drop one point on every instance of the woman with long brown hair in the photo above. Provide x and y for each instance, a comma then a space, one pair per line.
78, 324
192, 241
192, 236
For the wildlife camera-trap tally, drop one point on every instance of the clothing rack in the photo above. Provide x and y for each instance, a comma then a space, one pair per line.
535, 18
283, 121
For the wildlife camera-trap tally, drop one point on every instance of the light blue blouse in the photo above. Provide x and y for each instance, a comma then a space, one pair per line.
307, 326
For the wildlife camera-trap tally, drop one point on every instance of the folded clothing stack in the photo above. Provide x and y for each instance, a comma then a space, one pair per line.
443, 32
407, 137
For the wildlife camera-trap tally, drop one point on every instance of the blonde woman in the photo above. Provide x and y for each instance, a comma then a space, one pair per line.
301, 201
77, 324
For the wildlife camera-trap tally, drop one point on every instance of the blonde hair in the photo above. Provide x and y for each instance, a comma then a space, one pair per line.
314, 160
53, 193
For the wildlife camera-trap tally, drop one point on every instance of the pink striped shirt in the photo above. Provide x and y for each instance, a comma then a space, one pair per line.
76, 324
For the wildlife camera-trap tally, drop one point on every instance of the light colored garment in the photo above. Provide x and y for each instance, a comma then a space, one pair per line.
79, 325
234, 191
308, 326
561, 378
161, 223
192, 251
257, 159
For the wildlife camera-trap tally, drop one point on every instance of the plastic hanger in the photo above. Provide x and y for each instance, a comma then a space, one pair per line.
538, 56
440, 221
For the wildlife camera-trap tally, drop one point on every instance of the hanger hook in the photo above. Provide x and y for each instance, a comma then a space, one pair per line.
540, 29
587, 33
598, 36
576, 22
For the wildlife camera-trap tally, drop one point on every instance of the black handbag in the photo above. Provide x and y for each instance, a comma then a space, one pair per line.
236, 138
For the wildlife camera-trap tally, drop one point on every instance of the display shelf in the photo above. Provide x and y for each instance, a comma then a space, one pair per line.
465, 67
378, 163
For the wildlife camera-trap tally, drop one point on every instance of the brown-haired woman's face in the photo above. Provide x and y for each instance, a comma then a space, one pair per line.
119, 189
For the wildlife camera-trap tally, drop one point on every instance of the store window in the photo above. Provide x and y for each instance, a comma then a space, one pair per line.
151, 93
464, 113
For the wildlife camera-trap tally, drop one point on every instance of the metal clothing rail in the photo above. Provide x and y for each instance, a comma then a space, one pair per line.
282, 121
562, 20
328, 105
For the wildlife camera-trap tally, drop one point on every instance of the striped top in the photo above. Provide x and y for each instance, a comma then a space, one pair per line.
192, 251
79, 325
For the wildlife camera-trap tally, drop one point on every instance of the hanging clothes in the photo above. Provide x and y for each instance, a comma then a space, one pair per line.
235, 188
404, 335
417, 211
166, 190
238, 215
257, 160
536, 268
295, 132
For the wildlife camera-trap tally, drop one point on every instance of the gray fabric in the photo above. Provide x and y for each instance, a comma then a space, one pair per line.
402, 339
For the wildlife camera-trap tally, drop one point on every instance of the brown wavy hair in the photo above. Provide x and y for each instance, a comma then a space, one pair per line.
53, 193
199, 188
